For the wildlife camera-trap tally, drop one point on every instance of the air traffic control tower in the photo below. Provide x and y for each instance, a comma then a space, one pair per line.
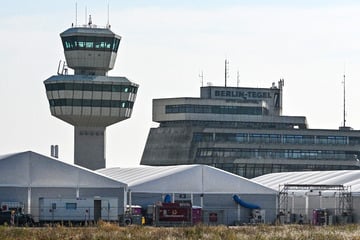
90, 100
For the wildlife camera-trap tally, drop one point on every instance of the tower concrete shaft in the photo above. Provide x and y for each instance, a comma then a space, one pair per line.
90, 157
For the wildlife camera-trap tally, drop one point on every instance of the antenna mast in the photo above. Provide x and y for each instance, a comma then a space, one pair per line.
75, 14
238, 78
202, 78
108, 16
344, 113
226, 71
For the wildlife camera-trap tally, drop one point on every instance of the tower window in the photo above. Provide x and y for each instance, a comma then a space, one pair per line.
90, 43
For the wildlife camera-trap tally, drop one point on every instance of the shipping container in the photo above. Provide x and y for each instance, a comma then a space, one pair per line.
78, 209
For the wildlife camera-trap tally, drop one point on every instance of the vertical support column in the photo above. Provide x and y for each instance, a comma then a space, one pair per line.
307, 207
335, 206
29, 201
130, 202
320, 200
125, 200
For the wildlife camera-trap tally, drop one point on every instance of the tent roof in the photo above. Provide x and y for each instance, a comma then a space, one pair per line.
342, 177
184, 179
30, 169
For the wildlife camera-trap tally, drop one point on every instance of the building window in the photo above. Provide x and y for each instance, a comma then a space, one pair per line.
246, 153
91, 43
211, 109
70, 206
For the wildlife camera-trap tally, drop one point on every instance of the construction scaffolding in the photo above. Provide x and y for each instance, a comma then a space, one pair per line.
344, 206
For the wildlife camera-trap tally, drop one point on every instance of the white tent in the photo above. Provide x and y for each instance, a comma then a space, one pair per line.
210, 188
28, 177
341, 177
185, 179
337, 202
30, 169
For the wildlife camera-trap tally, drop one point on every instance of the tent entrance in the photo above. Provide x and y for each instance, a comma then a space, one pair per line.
97, 210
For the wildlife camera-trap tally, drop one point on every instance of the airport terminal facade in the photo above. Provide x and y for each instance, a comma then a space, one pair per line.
243, 131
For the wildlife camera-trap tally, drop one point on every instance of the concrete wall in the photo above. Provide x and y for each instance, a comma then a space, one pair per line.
168, 146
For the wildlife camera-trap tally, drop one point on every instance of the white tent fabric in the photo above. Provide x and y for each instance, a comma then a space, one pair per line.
30, 169
343, 177
184, 179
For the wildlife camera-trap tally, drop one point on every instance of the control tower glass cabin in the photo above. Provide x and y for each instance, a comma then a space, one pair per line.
90, 100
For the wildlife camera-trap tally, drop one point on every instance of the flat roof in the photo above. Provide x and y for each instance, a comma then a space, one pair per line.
85, 31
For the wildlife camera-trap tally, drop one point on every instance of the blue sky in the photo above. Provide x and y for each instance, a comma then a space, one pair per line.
165, 45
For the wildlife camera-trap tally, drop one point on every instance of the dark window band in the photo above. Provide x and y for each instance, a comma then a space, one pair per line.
90, 103
276, 154
273, 138
91, 43
90, 87
213, 109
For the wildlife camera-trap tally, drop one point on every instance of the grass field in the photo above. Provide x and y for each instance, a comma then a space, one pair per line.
110, 231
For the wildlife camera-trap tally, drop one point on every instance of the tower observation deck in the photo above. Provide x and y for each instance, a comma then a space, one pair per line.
90, 100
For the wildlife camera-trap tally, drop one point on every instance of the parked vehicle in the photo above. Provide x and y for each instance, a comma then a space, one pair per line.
172, 214
15, 218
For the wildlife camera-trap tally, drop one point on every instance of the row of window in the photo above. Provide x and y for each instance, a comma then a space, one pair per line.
253, 170
95, 87
90, 103
276, 154
273, 138
213, 109
91, 43
231, 124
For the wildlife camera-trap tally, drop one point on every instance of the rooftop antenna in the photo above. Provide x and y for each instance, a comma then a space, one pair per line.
344, 112
202, 78
75, 14
108, 16
85, 15
226, 71
90, 21
237, 78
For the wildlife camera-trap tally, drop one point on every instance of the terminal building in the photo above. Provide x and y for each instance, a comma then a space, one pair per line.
242, 131
90, 100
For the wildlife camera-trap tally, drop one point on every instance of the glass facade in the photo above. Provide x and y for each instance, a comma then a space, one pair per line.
250, 170
91, 43
76, 86
247, 153
273, 147
275, 138
214, 109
